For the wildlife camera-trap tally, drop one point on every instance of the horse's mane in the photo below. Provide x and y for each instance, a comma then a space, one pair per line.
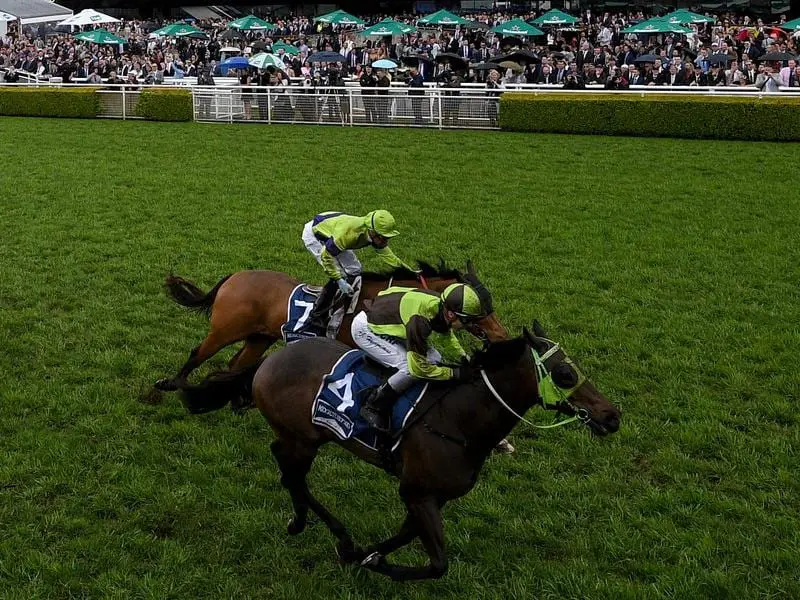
498, 354
428, 270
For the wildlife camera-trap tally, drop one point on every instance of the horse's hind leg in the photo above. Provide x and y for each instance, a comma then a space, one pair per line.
293, 469
294, 460
213, 343
254, 346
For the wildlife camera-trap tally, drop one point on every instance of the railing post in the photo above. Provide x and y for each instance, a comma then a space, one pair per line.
269, 107
124, 116
439, 99
349, 92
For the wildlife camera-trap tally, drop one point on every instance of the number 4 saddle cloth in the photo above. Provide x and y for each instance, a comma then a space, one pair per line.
338, 401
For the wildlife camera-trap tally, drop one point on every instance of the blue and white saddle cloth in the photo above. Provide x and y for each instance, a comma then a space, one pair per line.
301, 302
341, 393
298, 310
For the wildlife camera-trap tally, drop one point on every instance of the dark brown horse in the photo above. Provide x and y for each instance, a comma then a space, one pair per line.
250, 306
445, 442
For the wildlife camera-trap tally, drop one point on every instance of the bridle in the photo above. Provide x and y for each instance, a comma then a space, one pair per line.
550, 396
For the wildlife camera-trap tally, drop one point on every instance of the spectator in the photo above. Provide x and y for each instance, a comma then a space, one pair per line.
669, 77
94, 77
416, 94
496, 88
768, 80
367, 82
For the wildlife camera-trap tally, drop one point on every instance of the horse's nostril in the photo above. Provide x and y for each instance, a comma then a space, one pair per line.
613, 424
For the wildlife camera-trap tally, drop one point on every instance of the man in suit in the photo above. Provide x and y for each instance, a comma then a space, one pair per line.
584, 56
561, 71
416, 94
717, 76
483, 53
786, 73
635, 77
465, 51
547, 77
749, 72
669, 77
627, 56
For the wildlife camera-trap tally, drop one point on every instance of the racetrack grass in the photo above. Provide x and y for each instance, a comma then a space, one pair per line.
668, 268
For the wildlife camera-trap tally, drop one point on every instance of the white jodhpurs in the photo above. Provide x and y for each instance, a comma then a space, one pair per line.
387, 352
347, 260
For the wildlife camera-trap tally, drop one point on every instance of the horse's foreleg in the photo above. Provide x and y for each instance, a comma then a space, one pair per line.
427, 520
406, 535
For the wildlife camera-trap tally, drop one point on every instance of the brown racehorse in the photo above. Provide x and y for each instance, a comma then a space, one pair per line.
445, 443
251, 306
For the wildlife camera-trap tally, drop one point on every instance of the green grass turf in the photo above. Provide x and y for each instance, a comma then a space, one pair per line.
668, 268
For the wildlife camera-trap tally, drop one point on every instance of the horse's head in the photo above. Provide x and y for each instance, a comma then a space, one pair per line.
562, 386
542, 373
489, 327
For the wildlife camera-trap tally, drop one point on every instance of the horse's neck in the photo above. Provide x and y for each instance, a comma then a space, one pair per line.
485, 421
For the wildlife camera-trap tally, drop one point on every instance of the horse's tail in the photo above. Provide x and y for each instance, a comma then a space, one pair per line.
187, 294
220, 388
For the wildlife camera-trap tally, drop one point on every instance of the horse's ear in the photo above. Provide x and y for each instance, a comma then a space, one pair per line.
538, 330
527, 335
471, 268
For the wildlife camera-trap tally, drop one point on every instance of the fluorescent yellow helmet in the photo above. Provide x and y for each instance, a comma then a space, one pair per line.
382, 222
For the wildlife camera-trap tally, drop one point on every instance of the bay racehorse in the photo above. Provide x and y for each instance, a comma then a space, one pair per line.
444, 442
251, 307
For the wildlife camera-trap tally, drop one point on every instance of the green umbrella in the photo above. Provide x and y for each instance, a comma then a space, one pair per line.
99, 36
250, 23
264, 60
791, 25
389, 27
517, 27
443, 17
555, 17
176, 30
687, 16
339, 17
288, 48
656, 25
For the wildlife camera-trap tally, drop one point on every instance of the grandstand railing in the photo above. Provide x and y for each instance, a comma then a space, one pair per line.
466, 107
348, 106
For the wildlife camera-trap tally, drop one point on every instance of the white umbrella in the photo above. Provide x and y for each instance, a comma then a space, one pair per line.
88, 16
264, 60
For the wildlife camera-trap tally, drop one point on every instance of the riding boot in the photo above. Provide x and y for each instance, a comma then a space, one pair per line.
317, 317
377, 407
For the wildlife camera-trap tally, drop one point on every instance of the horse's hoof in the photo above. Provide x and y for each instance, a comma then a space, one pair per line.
166, 385
504, 447
347, 551
373, 560
295, 527
151, 396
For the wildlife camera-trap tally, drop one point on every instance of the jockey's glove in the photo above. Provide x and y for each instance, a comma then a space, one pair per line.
345, 287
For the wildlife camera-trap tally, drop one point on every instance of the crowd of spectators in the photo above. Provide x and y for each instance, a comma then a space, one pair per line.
593, 52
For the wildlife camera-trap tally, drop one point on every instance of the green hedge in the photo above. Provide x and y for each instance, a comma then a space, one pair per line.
165, 105
49, 102
653, 115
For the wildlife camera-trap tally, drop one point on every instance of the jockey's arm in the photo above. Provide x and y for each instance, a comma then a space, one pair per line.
390, 258
328, 259
418, 330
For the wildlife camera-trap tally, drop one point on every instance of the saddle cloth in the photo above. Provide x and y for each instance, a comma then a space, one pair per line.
298, 309
338, 401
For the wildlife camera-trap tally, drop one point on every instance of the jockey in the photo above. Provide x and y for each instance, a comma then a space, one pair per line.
332, 236
395, 332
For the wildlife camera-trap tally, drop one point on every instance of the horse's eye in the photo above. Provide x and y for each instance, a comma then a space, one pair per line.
564, 376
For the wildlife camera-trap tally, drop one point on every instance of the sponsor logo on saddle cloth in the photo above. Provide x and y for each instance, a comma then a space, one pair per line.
298, 310
341, 392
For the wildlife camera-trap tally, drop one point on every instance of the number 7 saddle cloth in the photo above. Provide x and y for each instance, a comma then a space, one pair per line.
338, 401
